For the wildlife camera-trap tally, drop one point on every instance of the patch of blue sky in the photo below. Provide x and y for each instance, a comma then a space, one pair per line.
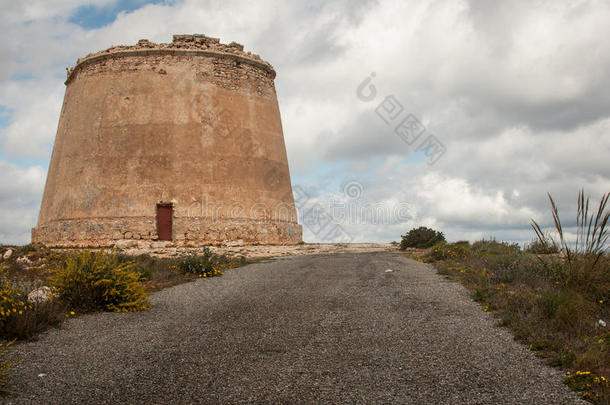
24, 162
324, 175
92, 17
331, 176
21, 76
5, 116
416, 157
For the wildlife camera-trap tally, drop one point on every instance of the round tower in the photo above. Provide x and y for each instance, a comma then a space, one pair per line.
180, 142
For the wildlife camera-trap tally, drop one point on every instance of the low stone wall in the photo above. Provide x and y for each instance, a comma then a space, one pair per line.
192, 231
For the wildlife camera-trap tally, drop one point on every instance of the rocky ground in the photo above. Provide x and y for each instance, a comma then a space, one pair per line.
258, 251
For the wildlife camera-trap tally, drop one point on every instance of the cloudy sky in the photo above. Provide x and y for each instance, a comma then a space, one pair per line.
511, 98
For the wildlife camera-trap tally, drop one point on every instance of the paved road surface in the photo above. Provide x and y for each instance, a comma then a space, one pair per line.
330, 329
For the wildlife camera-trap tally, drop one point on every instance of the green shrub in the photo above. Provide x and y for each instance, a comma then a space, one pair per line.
143, 264
597, 354
492, 247
26, 249
96, 280
550, 301
207, 264
421, 237
543, 247
507, 268
565, 358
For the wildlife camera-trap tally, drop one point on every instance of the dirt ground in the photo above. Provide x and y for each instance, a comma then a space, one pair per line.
260, 251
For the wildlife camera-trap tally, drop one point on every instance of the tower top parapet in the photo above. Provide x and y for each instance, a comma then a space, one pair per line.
182, 44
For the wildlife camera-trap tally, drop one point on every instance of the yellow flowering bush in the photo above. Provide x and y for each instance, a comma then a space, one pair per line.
588, 384
21, 318
98, 280
447, 251
13, 302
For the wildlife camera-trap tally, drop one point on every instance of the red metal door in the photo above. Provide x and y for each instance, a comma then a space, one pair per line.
164, 222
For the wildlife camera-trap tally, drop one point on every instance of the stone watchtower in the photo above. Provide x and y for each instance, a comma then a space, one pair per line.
180, 142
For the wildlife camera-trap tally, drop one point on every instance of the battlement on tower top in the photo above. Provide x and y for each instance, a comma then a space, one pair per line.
181, 44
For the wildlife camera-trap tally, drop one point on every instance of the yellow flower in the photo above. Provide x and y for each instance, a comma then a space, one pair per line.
601, 301
600, 341
20, 312
72, 313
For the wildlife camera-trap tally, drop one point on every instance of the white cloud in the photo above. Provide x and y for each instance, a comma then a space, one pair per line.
20, 195
35, 117
516, 91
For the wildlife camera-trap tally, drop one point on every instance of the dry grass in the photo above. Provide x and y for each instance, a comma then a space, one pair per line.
551, 302
6, 364
154, 274
555, 318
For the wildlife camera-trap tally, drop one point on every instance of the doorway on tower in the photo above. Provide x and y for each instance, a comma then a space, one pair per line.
165, 214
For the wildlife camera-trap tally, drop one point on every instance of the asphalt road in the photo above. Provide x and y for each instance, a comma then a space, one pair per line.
311, 329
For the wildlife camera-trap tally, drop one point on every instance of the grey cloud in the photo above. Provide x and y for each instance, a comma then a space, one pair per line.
516, 90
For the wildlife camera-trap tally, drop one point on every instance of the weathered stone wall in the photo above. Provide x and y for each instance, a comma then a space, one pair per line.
194, 123
190, 231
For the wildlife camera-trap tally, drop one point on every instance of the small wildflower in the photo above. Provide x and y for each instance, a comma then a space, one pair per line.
72, 313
